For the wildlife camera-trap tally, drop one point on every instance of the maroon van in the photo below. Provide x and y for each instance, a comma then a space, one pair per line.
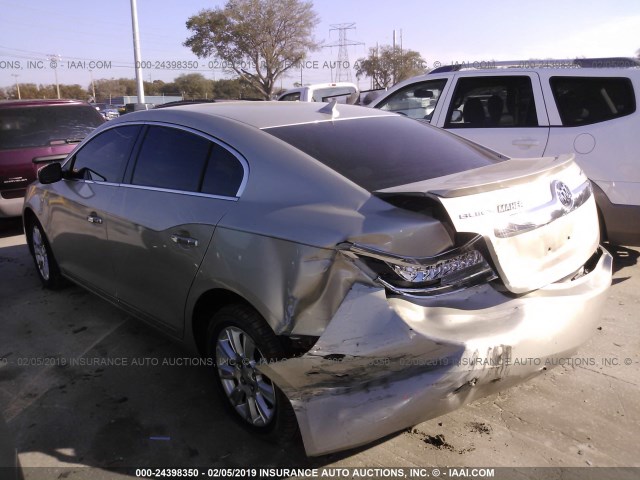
32, 134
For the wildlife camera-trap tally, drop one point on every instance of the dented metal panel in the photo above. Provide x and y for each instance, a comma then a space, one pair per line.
384, 364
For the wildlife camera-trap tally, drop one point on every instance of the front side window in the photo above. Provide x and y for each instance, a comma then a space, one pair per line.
171, 158
104, 157
585, 100
492, 102
417, 101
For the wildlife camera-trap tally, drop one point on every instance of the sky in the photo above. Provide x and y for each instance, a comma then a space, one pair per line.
80, 31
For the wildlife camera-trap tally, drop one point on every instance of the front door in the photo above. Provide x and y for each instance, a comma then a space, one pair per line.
504, 112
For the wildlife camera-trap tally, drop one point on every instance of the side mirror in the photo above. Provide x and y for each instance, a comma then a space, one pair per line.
52, 173
456, 116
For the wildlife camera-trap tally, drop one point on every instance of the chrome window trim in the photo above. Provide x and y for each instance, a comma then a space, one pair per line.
179, 192
157, 189
243, 162
97, 182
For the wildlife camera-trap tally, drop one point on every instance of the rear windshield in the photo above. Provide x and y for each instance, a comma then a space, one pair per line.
23, 127
384, 152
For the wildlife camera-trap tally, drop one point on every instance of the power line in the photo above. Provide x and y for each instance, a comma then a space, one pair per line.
343, 68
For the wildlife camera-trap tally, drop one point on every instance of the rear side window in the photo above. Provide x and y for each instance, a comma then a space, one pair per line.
171, 158
23, 127
224, 173
586, 100
383, 152
493, 102
105, 156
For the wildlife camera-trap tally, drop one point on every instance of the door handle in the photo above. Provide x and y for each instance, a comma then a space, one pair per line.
94, 218
186, 241
526, 142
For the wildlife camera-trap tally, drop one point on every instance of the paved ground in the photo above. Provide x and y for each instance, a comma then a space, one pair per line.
88, 415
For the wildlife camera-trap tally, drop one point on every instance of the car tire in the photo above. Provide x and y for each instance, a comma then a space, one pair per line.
46, 265
237, 339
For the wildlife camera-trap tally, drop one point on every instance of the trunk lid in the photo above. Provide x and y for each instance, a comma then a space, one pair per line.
537, 216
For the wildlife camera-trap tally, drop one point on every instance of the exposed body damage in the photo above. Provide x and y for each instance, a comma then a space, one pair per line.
384, 364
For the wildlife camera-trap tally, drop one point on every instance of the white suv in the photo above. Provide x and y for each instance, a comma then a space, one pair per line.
535, 108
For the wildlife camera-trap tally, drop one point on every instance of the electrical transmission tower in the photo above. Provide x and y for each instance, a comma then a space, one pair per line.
342, 66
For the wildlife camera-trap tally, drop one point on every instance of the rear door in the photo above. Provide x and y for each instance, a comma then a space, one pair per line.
179, 188
504, 112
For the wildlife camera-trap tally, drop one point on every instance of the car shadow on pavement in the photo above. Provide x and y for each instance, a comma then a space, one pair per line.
623, 257
132, 401
10, 227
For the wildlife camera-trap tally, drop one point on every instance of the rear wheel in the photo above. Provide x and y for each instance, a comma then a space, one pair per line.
45, 263
239, 340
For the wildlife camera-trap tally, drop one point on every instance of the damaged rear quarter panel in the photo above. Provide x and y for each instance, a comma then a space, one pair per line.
384, 364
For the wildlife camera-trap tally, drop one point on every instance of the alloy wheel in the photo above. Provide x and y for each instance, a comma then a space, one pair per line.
40, 252
250, 392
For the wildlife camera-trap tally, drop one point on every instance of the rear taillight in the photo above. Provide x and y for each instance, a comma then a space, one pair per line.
461, 267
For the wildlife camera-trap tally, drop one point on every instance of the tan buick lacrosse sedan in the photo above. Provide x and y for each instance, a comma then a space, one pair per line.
352, 272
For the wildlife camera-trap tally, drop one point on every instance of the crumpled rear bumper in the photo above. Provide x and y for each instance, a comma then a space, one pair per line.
384, 364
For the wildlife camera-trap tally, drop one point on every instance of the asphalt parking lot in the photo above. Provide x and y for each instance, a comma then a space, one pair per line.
585, 413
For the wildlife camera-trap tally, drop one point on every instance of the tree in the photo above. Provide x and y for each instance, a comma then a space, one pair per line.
235, 88
257, 39
387, 66
194, 85
107, 88
73, 91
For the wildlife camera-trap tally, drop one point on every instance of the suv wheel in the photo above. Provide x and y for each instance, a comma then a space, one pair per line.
238, 340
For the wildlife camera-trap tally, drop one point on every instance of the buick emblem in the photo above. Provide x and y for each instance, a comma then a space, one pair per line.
563, 193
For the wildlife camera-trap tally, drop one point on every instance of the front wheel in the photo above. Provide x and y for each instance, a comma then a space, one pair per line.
239, 340
45, 263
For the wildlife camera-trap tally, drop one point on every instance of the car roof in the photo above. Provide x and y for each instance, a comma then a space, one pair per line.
39, 103
263, 114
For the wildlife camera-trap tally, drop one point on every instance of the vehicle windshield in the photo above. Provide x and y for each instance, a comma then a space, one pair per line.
383, 152
23, 127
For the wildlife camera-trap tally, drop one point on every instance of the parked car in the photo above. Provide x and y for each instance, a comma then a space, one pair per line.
343, 92
529, 109
109, 112
32, 134
352, 288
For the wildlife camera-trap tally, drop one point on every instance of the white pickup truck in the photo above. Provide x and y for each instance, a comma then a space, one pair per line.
343, 92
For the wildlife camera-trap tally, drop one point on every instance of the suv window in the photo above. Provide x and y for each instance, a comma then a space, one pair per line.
224, 173
172, 159
490, 102
341, 94
105, 156
386, 151
418, 100
23, 127
291, 97
585, 100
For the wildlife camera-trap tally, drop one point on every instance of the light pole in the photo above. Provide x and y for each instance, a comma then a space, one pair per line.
93, 87
17, 84
53, 63
136, 50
